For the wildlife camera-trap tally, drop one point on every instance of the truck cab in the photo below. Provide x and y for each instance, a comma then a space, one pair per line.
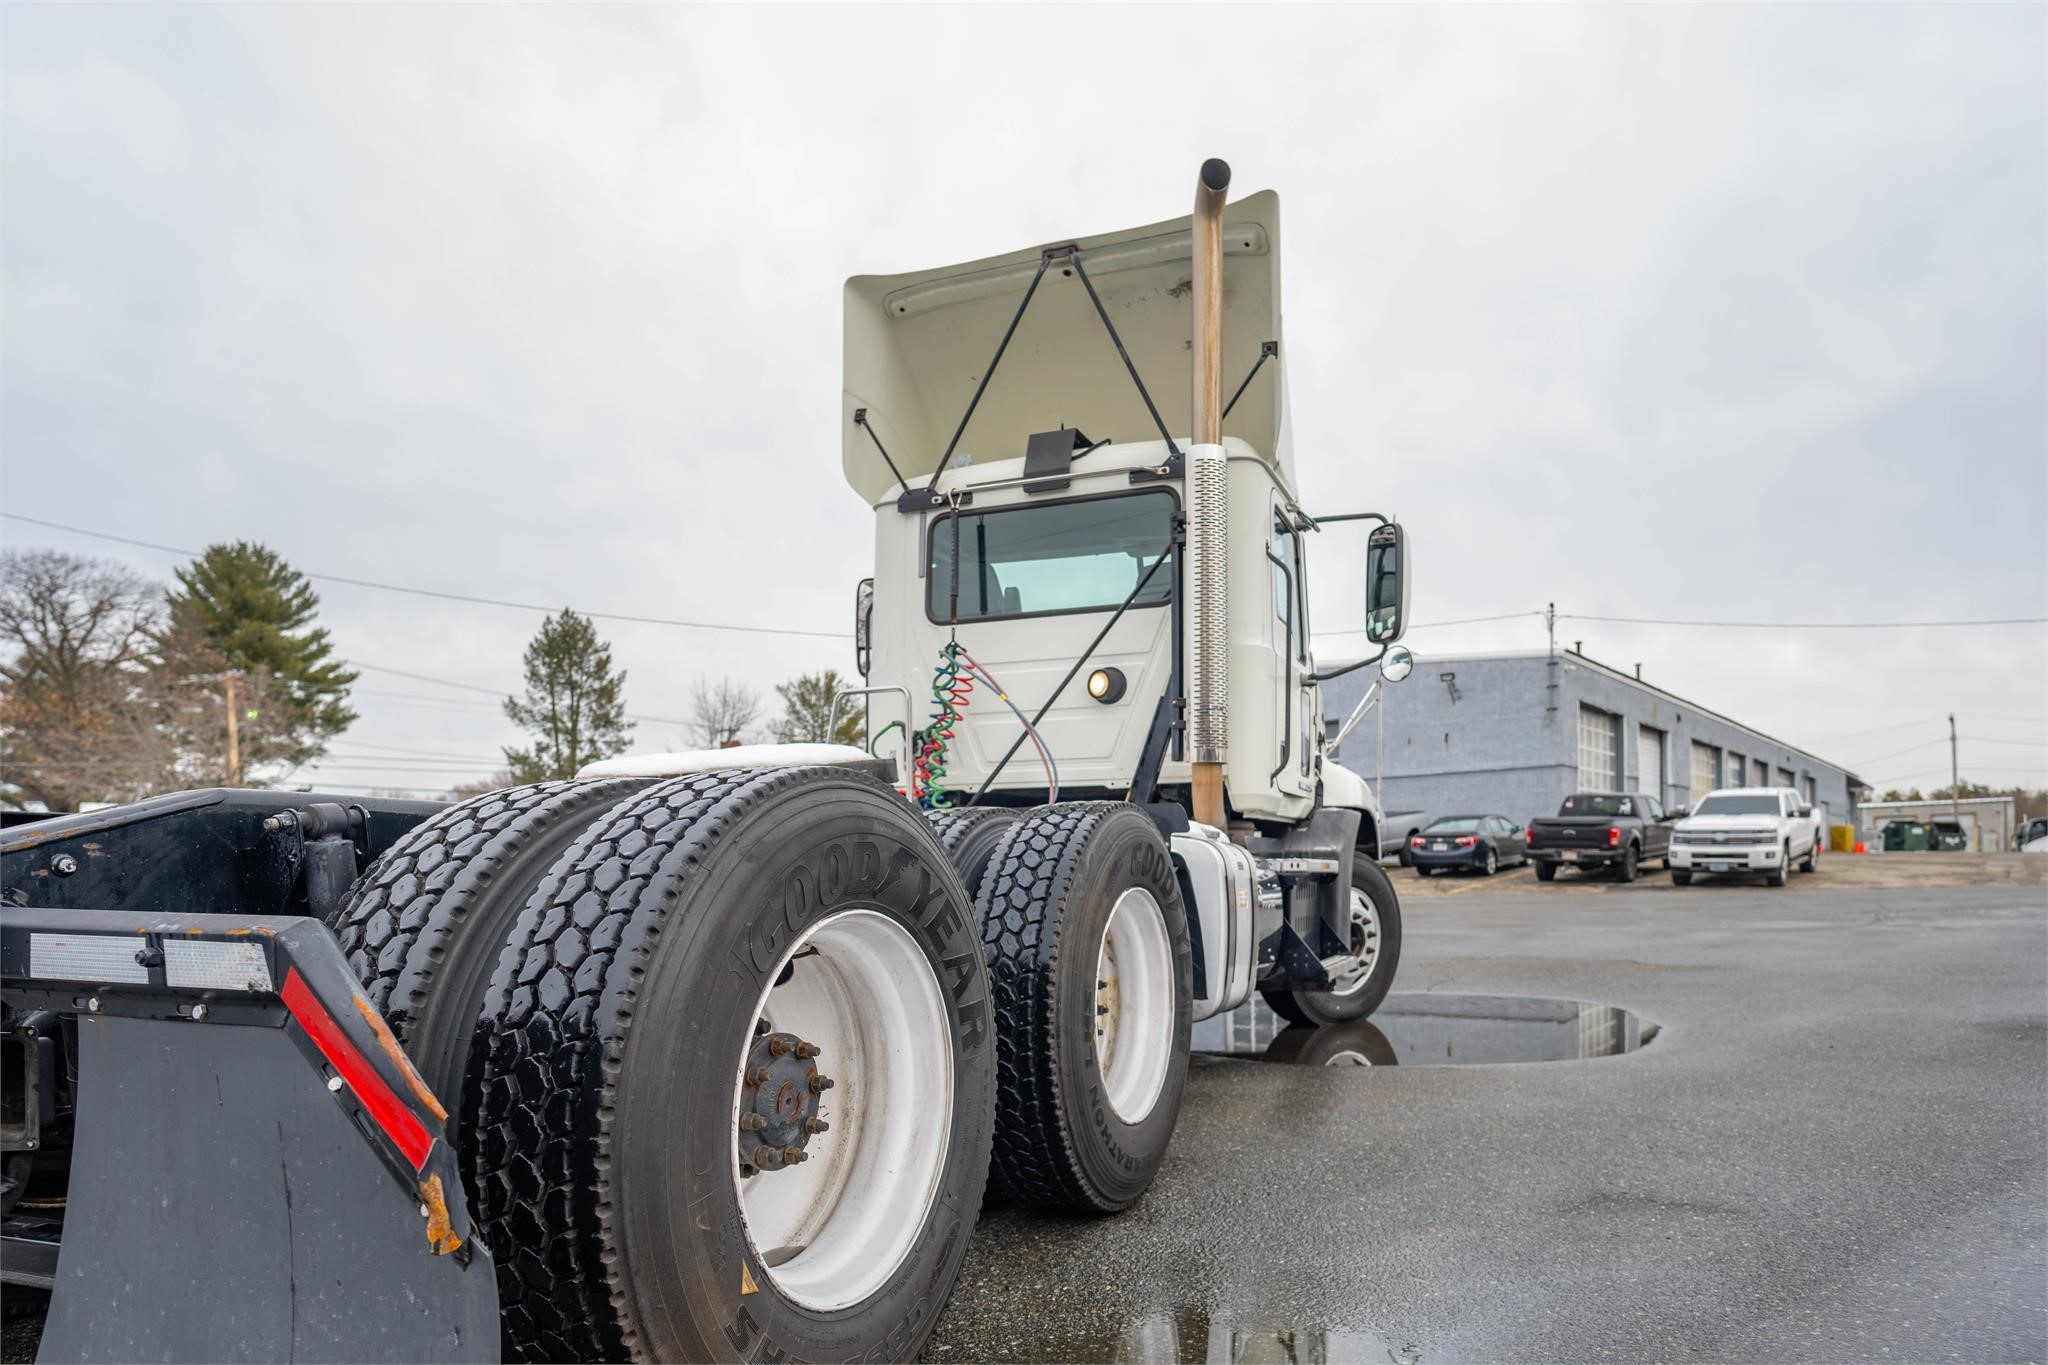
1020, 531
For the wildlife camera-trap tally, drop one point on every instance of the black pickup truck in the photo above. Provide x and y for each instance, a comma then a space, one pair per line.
1602, 829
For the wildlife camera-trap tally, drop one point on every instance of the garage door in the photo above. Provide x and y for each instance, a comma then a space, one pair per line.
1597, 749
1706, 770
1650, 761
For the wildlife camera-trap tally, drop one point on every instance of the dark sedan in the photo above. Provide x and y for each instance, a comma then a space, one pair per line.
1468, 843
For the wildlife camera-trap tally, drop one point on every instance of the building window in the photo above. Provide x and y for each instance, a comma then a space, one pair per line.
1763, 774
1812, 793
1598, 746
1784, 777
1650, 774
1706, 770
1736, 768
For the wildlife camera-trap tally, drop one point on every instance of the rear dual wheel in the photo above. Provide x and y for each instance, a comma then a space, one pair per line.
757, 996
1086, 940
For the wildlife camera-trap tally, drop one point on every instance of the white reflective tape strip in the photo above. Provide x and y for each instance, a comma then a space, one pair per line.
81, 957
216, 966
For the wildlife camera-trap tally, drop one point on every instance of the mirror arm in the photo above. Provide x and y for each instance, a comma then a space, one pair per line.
1354, 667
1317, 523
1358, 712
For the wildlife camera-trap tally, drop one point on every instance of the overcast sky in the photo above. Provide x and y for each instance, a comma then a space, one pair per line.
1717, 312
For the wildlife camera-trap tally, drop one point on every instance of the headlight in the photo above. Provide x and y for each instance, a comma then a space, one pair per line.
1106, 685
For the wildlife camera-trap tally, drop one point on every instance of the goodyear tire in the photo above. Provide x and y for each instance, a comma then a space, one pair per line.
970, 838
1375, 931
1081, 912
424, 926
673, 1005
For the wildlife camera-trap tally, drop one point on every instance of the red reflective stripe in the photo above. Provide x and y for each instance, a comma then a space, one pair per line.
399, 1123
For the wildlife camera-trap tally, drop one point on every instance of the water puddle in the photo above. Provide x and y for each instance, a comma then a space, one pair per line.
1430, 1029
1186, 1336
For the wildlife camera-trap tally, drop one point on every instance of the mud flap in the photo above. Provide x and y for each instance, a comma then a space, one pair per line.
256, 1174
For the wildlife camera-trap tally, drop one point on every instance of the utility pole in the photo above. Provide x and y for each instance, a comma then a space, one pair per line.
1955, 780
234, 773
1550, 687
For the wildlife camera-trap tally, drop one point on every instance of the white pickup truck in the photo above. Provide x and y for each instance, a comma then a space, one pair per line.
1745, 830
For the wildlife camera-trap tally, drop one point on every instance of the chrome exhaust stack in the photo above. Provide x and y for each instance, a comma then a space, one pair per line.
1208, 504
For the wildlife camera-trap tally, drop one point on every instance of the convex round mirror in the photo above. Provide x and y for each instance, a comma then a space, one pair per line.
1397, 663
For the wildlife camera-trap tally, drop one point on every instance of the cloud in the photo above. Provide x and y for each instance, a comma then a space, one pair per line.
1681, 312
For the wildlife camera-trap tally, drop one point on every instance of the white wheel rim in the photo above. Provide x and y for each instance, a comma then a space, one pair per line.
1134, 1006
831, 1231
1365, 943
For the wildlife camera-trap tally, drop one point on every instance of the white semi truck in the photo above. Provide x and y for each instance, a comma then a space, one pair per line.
710, 1056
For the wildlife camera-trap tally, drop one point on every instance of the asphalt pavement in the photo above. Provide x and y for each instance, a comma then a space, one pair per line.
1834, 1148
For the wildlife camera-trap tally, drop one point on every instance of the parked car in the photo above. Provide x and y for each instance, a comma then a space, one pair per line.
2033, 837
1611, 830
1467, 843
1745, 830
1397, 828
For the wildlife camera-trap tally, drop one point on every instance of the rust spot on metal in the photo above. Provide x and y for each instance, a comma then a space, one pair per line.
237, 933
389, 1042
440, 1235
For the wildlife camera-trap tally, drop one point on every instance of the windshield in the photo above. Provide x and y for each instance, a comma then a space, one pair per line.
1737, 805
1455, 824
1084, 555
1587, 804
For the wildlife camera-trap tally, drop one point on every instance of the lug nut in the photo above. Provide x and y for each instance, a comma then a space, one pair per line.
752, 1123
806, 1050
768, 1158
820, 1084
795, 1155
778, 1046
757, 1075
816, 1126
1101, 1010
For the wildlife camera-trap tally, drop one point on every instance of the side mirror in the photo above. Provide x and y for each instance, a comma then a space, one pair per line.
1806, 812
863, 626
1678, 812
1397, 664
1386, 584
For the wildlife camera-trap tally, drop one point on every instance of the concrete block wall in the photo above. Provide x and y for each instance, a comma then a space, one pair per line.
1485, 740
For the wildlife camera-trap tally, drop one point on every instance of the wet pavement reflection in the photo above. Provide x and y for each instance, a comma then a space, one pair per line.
1433, 1029
1194, 1335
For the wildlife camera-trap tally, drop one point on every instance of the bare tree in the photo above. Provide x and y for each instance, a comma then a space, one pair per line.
497, 781
78, 721
721, 712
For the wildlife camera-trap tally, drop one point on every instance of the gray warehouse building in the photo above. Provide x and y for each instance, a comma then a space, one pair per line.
1514, 734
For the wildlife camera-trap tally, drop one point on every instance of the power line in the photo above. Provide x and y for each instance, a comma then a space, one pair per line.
1433, 625
1805, 625
1881, 730
446, 596
472, 687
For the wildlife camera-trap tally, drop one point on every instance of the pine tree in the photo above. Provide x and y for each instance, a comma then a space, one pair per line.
807, 711
574, 706
243, 608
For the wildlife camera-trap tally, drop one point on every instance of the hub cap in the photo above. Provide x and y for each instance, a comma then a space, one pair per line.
836, 1173
1365, 945
1134, 1005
